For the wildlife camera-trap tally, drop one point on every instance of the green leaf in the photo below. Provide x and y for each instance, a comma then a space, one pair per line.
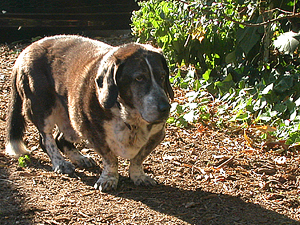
190, 116
280, 108
205, 116
24, 160
206, 74
171, 120
284, 84
267, 89
179, 109
228, 78
230, 57
247, 38
225, 85
290, 105
293, 115
293, 138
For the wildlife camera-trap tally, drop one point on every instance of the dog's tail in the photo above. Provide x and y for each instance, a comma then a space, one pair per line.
15, 123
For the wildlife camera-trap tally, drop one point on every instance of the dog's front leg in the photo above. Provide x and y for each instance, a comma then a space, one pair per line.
109, 177
136, 170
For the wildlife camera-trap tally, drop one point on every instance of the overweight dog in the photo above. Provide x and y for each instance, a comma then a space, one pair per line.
116, 98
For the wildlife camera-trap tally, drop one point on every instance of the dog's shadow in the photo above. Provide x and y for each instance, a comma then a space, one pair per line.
192, 206
196, 206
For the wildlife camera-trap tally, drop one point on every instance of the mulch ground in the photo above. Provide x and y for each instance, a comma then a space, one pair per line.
205, 176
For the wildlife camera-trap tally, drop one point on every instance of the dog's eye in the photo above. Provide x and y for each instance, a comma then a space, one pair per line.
140, 78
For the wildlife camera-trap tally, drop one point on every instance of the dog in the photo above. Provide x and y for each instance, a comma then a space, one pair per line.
115, 98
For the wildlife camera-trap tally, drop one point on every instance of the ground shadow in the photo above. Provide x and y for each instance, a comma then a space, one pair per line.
12, 210
198, 207
191, 206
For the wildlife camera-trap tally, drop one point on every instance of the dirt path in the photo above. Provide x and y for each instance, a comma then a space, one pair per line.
205, 176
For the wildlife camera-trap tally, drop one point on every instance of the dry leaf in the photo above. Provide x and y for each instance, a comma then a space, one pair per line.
280, 160
274, 144
249, 142
265, 129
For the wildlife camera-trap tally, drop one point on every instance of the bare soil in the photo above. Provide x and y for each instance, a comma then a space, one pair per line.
205, 176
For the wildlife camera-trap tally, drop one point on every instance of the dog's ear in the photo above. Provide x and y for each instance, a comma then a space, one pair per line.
106, 84
110, 68
168, 89
106, 79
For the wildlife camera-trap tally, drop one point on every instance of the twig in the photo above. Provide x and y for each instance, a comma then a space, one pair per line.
83, 214
248, 24
224, 163
52, 222
6, 180
280, 10
296, 15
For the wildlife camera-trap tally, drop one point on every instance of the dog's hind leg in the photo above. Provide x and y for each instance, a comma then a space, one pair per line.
66, 136
15, 124
59, 164
68, 148
48, 144
46, 125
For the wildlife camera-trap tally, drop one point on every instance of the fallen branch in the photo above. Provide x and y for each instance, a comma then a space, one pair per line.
225, 163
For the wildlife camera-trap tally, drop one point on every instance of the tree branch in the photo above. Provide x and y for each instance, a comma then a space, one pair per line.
296, 15
247, 24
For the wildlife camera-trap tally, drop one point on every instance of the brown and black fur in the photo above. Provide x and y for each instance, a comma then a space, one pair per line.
114, 97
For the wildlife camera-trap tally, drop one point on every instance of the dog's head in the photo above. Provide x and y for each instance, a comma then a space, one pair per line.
138, 76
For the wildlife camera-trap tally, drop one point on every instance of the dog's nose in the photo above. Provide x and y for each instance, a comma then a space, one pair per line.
164, 107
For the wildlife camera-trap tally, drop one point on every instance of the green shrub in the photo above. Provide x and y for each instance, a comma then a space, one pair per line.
185, 32
230, 72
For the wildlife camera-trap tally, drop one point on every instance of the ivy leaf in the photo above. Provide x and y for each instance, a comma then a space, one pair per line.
24, 160
173, 106
190, 116
280, 108
285, 84
267, 89
247, 38
206, 74
294, 138
297, 102
230, 57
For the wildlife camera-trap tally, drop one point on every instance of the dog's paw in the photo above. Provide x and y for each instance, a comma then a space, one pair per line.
143, 180
64, 167
138, 176
86, 162
83, 161
107, 182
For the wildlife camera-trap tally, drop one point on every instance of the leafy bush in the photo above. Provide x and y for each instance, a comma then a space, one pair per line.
229, 70
185, 32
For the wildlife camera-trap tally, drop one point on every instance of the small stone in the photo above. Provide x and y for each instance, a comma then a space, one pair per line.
190, 204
